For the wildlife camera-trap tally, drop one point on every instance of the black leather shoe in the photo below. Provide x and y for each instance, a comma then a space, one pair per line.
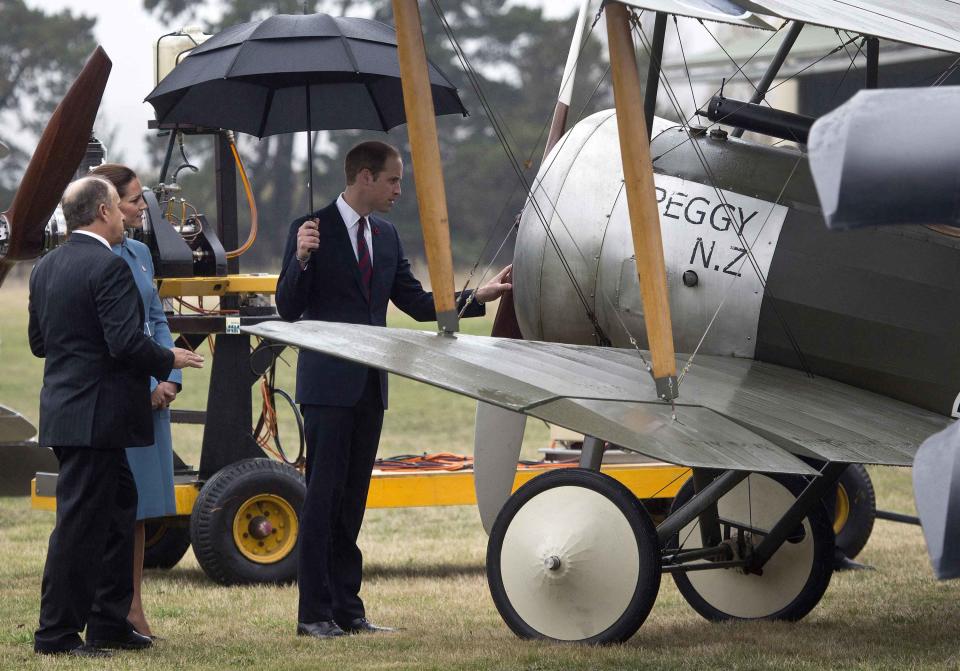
129, 641
79, 651
360, 625
321, 629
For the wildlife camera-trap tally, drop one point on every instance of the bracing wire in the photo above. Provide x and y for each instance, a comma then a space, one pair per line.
701, 157
474, 80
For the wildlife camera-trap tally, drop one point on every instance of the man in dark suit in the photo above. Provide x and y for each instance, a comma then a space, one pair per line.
86, 320
344, 264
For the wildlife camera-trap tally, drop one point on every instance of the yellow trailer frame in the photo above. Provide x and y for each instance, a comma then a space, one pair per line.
405, 489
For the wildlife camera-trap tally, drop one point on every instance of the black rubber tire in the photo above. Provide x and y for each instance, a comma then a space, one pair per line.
211, 524
854, 533
165, 543
820, 571
648, 581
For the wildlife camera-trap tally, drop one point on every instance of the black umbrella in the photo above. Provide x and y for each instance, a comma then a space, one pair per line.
295, 72
889, 156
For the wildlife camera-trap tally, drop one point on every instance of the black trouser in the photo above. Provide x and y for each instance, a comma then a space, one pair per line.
341, 449
88, 576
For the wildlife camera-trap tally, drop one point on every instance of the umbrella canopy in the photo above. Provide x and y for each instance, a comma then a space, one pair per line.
936, 490
291, 73
889, 156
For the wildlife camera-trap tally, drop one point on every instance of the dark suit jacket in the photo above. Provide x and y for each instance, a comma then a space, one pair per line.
331, 290
86, 320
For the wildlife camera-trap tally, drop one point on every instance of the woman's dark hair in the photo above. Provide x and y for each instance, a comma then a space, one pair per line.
118, 175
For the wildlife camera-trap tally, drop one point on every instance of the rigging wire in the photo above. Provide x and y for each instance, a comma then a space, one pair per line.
683, 55
474, 80
717, 91
538, 181
711, 177
853, 58
726, 292
852, 66
727, 54
788, 333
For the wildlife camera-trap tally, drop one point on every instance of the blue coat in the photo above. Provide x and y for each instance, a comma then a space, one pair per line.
152, 466
330, 289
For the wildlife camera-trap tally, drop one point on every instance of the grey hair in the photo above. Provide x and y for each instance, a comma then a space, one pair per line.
82, 200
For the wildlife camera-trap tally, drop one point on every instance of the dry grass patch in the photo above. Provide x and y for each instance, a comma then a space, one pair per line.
425, 573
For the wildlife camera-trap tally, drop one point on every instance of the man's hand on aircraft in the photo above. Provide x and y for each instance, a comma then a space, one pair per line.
308, 239
184, 358
495, 288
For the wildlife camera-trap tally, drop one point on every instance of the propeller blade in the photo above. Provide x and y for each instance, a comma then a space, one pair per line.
55, 160
4, 149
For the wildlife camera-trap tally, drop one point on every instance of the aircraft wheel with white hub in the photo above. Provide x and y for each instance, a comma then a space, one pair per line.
573, 556
792, 582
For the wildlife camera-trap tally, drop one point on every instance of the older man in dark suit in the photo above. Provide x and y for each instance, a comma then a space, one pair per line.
344, 264
87, 321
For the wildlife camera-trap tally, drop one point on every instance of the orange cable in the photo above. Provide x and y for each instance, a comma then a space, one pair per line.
250, 200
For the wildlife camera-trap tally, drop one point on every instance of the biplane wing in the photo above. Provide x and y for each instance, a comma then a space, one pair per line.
732, 414
934, 25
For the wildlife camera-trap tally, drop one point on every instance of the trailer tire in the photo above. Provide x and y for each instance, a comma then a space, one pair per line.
245, 523
165, 543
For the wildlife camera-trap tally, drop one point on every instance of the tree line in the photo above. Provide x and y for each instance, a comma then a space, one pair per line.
518, 55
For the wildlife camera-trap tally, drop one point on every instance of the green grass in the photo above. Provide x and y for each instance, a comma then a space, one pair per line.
425, 572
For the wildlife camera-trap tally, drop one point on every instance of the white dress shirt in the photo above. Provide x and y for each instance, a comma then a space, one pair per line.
352, 220
104, 240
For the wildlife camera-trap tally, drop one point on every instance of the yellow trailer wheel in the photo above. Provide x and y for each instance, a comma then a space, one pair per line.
265, 528
244, 526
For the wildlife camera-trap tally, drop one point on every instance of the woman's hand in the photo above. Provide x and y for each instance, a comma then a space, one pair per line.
163, 395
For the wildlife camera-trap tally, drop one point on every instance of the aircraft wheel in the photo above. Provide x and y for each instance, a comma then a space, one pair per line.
856, 510
794, 579
245, 523
165, 543
573, 556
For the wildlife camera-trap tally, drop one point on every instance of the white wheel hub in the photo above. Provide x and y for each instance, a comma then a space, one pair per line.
570, 563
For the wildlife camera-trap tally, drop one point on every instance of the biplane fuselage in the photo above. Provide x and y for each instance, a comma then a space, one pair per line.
875, 308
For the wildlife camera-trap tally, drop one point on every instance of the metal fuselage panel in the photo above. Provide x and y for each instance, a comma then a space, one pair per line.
875, 308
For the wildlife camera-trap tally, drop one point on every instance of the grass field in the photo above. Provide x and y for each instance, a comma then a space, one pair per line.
425, 572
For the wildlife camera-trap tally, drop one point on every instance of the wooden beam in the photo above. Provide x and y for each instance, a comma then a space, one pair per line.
641, 199
425, 151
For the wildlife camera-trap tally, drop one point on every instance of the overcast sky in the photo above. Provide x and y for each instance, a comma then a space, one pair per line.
127, 33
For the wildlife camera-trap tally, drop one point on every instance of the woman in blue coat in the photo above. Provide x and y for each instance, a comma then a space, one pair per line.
152, 466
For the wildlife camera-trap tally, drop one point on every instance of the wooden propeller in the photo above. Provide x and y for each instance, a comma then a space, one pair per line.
425, 152
54, 162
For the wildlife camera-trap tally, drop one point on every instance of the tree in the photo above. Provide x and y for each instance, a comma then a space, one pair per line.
42, 53
519, 60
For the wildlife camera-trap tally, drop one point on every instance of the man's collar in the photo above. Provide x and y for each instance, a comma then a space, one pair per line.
96, 236
349, 215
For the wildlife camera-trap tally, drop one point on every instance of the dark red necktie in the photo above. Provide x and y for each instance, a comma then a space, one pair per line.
363, 256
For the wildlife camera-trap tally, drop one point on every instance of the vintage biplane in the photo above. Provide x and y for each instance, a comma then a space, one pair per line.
804, 350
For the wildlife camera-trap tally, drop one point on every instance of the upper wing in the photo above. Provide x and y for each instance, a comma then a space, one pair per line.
732, 413
933, 24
